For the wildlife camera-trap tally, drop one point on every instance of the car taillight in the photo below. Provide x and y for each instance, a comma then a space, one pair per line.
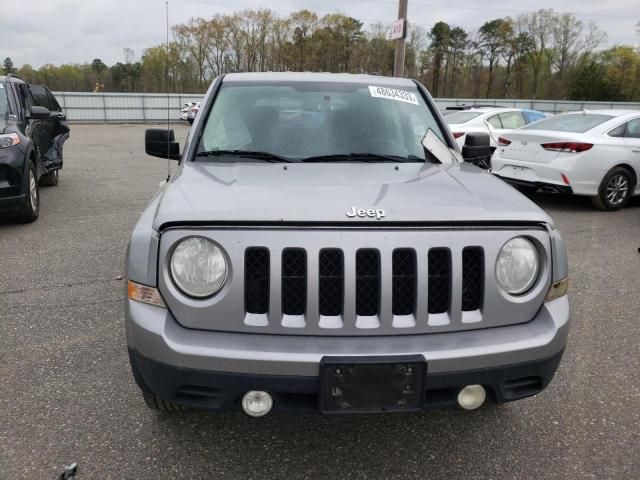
503, 142
457, 134
574, 147
194, 109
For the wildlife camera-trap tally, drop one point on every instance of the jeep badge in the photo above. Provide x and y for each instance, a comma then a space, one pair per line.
362, 213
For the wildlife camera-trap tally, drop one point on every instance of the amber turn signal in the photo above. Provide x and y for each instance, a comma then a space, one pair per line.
144, 294
557, 290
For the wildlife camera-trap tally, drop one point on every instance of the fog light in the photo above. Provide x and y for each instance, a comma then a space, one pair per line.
257, 403
472, 397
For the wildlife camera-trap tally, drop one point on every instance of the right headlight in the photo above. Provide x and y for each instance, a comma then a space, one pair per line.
517, 266
198, 267
9, 140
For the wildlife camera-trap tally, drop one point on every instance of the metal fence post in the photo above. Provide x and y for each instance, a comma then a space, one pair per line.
104, 108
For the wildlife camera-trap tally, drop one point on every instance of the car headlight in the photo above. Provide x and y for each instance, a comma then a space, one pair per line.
517, 265
9, 140
198, 267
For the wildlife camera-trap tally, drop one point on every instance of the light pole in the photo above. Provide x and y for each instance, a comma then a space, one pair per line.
398, 64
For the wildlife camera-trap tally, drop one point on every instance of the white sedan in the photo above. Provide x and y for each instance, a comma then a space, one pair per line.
491, 120
594, 153
184, 112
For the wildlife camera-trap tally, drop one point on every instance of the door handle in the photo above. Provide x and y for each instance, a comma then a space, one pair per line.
635, 150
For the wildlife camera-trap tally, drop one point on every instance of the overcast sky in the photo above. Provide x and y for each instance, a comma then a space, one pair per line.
77, 31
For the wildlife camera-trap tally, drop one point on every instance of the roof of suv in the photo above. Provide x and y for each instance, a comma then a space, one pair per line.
10, 78
318, 77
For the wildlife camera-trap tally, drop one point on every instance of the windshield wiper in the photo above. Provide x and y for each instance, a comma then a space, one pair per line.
360, 157
255, 155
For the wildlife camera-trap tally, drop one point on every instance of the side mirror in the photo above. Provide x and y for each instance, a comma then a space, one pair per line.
477, 149
38, 113
161, 143
434, 147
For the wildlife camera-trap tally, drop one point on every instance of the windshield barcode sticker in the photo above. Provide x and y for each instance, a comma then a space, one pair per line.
393, 94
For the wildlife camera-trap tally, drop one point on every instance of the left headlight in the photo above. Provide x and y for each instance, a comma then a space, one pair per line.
198, 267
517, 266
9, 140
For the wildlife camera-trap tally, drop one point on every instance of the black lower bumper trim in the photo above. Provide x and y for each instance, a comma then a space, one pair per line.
11, 204
547, 187
219, 391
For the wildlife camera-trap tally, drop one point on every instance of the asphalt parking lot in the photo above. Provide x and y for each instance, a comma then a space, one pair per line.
67, 395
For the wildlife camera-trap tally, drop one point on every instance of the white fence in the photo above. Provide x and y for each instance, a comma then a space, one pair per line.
91, 107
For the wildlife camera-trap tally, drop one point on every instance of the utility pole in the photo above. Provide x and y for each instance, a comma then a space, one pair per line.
398, 64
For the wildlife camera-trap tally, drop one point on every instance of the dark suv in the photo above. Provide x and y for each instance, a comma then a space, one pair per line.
33, 130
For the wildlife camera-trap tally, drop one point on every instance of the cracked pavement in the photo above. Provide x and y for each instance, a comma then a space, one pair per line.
67, 395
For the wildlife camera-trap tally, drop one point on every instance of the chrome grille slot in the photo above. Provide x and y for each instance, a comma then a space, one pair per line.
256, 284
404, 281
294, 281
367, 282
331, 282
439, 268
472, 278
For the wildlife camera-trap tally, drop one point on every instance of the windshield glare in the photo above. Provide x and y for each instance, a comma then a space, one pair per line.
576, 123
460, 117
304, 119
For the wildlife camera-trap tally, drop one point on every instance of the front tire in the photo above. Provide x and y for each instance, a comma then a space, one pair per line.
614, 191
31, 207
50, 179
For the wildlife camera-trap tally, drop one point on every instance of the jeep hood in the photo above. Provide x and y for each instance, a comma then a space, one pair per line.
323, 193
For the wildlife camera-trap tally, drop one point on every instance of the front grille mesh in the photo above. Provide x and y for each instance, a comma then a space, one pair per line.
404, 281
472, 278
331, 282
366, 282
294, 281
256, 280
439, 280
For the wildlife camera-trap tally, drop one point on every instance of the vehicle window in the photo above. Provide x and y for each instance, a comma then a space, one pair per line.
618, 131
40, 96
530, 117
55, 106
494, 121
511, 120
460, 117
303, 119
633, 128
570, 122
4, 102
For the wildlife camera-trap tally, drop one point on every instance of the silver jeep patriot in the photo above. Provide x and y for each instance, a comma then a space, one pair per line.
325, 246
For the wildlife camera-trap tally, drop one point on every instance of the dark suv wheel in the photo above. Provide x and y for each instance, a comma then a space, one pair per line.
31, 207
615, 190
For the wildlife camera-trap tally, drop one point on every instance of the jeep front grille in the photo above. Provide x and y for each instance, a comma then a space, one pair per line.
349, 282
368, 294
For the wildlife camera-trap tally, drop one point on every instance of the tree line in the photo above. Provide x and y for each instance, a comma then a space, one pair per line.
542, 54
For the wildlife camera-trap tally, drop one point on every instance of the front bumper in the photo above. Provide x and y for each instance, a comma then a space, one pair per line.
211, 369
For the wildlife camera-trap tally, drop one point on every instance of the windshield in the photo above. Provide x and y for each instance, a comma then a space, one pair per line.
304, 120
4, 103
577, 123
460, 117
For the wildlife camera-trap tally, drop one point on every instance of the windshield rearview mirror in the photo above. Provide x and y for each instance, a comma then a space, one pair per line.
159, 142
435, 147
477, 149
38, 113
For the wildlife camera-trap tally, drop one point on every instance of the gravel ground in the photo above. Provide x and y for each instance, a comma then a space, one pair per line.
67, 395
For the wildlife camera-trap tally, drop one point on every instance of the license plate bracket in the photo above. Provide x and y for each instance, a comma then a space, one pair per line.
372, 384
